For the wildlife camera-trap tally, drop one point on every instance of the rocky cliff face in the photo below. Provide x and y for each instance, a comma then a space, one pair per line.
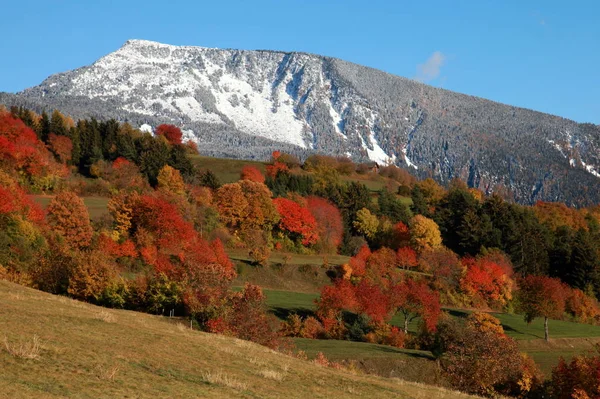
247, 103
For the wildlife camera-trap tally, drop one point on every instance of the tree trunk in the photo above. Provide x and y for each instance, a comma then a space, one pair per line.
546, 329
405, 325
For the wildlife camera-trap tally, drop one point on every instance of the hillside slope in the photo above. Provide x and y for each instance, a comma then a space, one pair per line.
87, 351
242, 103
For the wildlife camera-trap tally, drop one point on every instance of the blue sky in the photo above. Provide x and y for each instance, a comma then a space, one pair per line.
543, 55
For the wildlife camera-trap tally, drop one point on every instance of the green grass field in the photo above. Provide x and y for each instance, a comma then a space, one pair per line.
567, 338
226, 170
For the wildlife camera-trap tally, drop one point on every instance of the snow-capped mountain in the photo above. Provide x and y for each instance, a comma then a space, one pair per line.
247, 103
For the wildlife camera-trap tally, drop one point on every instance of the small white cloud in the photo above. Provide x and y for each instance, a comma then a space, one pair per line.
431, 69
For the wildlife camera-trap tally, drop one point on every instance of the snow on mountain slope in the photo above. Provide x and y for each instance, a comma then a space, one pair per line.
266, 94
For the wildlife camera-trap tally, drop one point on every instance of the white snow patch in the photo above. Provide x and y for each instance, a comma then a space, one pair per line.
558, 147
376, 154
337, 119
188, 135
146, 128
407, 159
591, 169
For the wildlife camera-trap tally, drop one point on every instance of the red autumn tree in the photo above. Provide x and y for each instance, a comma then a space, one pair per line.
13, 199
488, 281
22, 152
125, 175
415, 299
330, 228
69, 217
335, 298
373, 301
406, 258
252, 173
170, 132
400, 235
381, 268
61, 146
541, 296
275, 167
296, 220
171, 232
358, 263
248, 318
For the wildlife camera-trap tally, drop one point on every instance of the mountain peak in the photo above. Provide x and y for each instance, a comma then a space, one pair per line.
244, 103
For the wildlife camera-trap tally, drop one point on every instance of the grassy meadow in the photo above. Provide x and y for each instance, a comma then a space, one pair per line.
55, 347
566, 338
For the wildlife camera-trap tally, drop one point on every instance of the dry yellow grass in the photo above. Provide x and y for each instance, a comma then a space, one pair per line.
81, 355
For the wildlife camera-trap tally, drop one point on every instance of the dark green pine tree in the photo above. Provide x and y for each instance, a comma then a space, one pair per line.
154, 154
450, 216
390, 206
209, 179
179, 160
108, 133
76, 152
584, 262
57, 124
419, 204
90, 144
125, 142
44, 127
560, 253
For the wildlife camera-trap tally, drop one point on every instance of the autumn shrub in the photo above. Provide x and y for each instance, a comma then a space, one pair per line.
395, 337
246, 317
333, 325
577, 378
479, 362
481, 321
292, 326
582, 307
91, 274
53, 270
312, 328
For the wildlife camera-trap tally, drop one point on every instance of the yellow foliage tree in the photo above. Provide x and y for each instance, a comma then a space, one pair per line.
170, 180
121, 208
424, 233
366, 223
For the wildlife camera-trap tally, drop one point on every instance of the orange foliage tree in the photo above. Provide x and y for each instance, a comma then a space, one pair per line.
252, 173
488, 281
61, 146
69, 217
